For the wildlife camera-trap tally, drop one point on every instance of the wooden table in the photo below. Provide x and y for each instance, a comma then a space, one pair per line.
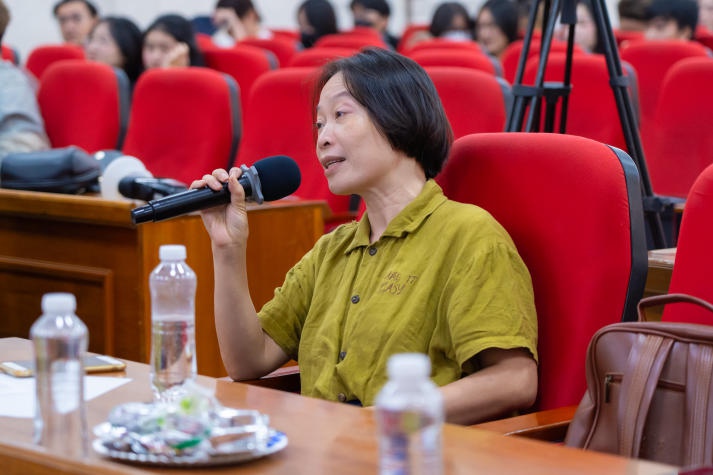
659, 276
88, 246
324, 438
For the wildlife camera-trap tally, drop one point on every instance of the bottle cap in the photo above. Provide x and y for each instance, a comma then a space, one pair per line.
409, 365
172, 252
59, 302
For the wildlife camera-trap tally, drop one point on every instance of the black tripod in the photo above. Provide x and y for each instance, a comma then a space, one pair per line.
553, 93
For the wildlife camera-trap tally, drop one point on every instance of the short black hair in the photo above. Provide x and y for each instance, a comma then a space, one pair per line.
506, 14
182, 31
320, 15
129, 40
241, 7
400, 99
380, 6
443, 17
684, 12
90, 6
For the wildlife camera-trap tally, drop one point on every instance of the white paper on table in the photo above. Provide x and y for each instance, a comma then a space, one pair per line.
17, 395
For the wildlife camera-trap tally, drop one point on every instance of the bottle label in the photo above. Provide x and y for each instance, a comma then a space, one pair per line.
66, 385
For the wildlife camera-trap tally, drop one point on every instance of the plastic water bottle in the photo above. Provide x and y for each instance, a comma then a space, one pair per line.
60, 341
409, 414
173, 333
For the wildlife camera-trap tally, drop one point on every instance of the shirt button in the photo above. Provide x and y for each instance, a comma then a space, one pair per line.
342, 355
372, 250
342, 397
355, 299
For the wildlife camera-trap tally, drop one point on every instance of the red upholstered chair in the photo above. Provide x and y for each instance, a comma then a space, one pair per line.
280, 122
474, 101
511, 56
243, 63
651, 60
693, 267
357, 38
573, 208
44, 55
84, 103
8, 53
282, 48
623, 37
319, 56
592, 111
410, 36
184, 122
682, 143
455, 57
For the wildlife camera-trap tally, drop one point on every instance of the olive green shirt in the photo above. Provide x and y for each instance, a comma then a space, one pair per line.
445, 279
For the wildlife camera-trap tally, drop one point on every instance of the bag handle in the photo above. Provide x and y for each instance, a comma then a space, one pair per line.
670, 298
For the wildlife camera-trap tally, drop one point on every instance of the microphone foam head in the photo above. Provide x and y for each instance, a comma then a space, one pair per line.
116, 170
279, 176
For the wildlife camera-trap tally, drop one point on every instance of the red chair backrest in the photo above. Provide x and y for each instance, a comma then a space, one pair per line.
184, 122
682, 144
693, 267
44, 55
511, 56
453, 57
623, 37
474, 101
8, 53
359, 38
592, 111
409, 35
651, 60
319, 56
280, 122
243, 63
282, 48
84, 103
443, 43
573, 209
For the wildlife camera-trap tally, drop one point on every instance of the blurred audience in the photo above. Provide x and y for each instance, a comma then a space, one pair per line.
671, 19
586, 35
632, 14
76, 19
374, 14
236, 20
705, 15
497, 25
451, 21
21, 125
315, 18
117, 41
170, 41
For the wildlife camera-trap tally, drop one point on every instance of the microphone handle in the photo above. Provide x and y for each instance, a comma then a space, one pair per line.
180, 203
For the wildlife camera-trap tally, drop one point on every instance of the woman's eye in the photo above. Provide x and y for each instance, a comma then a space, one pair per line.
318, 125
338, 114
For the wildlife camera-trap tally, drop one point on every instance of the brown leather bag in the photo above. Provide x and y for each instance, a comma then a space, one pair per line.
649, 392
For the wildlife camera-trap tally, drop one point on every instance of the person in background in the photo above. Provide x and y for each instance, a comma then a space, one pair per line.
374, 14
169, 41
117, 42
586, 35
236, 20
497, 25
671, 20
21, 125
451, 21
418, 272
632, 14
76, 19
315, 18
705, 15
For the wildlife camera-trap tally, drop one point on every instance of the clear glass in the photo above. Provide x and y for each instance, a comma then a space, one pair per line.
60, 342
409, 415
173, 356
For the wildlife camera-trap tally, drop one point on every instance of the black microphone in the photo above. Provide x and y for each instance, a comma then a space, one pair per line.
268, 179
149, 188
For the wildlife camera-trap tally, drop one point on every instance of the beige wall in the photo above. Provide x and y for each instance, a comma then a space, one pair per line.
33, 24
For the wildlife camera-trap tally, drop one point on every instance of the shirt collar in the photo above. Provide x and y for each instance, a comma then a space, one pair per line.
410, 218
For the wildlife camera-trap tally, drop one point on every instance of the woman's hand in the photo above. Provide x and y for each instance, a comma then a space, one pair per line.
179, 55
227, 225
